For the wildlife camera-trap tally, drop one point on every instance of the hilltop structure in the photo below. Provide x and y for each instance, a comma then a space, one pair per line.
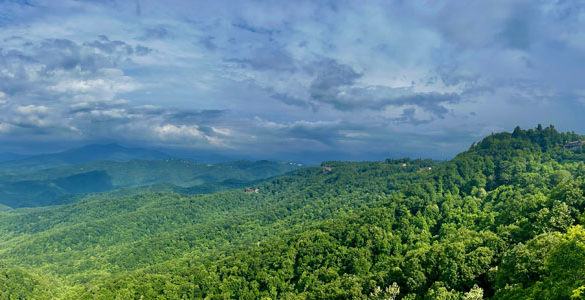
574, 145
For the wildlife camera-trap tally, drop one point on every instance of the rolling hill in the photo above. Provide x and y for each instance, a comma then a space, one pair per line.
57, 185
502, 220
101, 235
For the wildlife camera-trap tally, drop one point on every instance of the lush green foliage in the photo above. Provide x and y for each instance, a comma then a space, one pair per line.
102, 236
16, 283
502, 220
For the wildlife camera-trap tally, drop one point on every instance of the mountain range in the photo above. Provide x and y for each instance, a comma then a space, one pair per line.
502, 220
14, 163
59, 178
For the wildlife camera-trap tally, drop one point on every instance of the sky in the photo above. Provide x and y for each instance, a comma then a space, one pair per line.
287, 80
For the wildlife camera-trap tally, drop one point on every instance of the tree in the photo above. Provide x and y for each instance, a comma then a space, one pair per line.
476, 293
390, 293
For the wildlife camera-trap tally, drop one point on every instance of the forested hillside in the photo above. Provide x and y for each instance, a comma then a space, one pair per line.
62, 185
102, 236
502, 220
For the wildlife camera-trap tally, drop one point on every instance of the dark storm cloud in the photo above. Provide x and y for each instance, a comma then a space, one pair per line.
319, 134
330, 76
431, 102
328, 133
335, 84
408, 116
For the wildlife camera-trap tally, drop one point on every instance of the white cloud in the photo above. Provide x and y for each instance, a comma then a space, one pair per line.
40, 110
5, 128
112, 113
222, 131
174, 132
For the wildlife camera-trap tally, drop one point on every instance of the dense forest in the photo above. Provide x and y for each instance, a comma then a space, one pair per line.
502, 220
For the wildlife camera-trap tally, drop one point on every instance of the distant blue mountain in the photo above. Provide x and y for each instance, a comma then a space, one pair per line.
113, 152
61, 185
8, 156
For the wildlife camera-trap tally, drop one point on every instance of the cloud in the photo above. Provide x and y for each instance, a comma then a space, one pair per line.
291, 100
32, 109
22, 120
378, 97
268, 59
62, 89
274, 79
52, 69
5, 128
30, 116
330, 77
169, 131
321, 135
182, 116
155, 33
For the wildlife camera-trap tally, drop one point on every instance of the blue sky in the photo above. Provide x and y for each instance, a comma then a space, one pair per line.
290, 80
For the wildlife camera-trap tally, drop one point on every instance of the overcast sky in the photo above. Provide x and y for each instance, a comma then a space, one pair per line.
289, 80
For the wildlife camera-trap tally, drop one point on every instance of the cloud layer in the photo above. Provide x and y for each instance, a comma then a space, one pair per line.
302, 80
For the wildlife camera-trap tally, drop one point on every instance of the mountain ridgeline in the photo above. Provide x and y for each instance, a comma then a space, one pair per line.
502, 220
63, 179
112, 152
